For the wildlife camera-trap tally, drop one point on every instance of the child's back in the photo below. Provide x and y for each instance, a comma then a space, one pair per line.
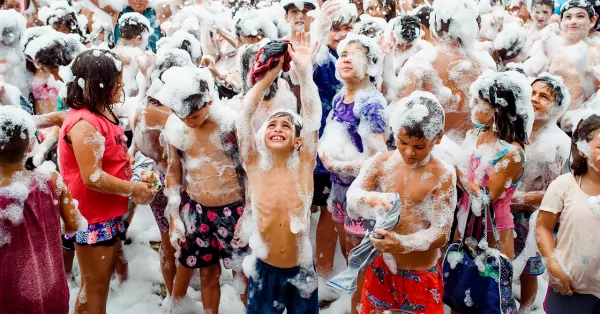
32, 274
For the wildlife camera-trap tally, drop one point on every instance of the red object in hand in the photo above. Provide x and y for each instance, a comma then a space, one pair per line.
267, 58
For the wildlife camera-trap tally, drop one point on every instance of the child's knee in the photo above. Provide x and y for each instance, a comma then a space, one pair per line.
210, 274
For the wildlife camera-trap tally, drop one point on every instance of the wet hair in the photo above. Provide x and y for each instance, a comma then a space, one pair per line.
510, 126
548, 3
196, 102
68, 20
586, 130
14, 146
109, 35
53, 56
436, 114
100, 74
555, 88
240, 34
130, 31
390, 8
583, 4
292, 4
284, 114
340, 22
173, 58
410, 25
423, 15
370, 29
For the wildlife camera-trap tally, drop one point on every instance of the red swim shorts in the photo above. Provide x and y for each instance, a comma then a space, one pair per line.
409, 290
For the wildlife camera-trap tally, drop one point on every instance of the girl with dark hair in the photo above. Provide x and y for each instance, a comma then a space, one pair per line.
385, 9
501, 109
572, 201
96, 169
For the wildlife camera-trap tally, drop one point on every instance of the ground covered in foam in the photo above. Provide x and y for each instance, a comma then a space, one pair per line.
144, 291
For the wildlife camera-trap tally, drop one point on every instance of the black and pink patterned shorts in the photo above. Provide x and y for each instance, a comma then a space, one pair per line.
209, 235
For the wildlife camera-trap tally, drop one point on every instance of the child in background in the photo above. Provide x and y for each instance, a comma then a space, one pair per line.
501, 108
412, 274
97, 170
546, 155
32, 204
572, 200
541, 13
133, 39
142, 7
332, 28
355, 130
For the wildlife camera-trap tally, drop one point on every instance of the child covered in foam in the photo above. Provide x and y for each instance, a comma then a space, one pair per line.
280, 159
546, 155
202, 150
134, 31
407, 270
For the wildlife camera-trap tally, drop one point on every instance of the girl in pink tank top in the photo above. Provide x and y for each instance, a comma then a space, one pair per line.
32, 276
96, 168
502, 110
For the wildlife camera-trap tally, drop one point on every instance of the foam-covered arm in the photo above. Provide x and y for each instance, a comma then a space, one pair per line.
362, 198
43, 149
173, 193
311, 102
69, 212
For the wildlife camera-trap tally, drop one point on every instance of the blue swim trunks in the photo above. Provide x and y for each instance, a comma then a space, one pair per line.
275, 289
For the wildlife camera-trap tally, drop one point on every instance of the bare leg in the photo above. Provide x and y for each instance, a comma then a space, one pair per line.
326, 243
210, 288
352, 242
339, 227
243, 296
529, 286
122, 266
506, 243
183, 276
68, 256
97, 265
167, 261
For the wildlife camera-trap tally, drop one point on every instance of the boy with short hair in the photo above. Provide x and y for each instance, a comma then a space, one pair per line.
279, 160
201, 149
296, 15
426, 187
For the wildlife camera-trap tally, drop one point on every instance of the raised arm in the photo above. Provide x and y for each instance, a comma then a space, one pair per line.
245, 130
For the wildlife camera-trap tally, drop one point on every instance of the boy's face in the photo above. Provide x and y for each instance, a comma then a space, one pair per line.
279, 135
61, 28
414, 150
298, 19
541, 99
12, 4
352, 64
541, 14
376, 9
198, 117
576, 23
138, 5
337, 34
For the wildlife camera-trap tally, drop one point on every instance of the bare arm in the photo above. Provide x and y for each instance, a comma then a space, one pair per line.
363, 200
87, 144
49, 119
69, 212
172, 192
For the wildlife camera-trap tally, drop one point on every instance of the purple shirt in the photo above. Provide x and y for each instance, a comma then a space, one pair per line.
32, 275
371, 114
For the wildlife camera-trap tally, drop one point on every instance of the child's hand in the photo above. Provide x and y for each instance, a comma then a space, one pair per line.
559, 279
301, 53
379, 201
236, 234
269, 77
143, 193
389, 243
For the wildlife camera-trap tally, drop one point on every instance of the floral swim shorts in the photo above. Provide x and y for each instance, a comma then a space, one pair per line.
209, 235
103, 233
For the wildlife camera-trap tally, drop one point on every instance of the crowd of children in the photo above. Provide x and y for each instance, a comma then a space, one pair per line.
449, 148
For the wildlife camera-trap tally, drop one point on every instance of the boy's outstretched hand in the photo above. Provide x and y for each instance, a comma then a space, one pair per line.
301, 52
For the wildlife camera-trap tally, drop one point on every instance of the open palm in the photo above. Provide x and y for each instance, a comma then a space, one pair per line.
301, 52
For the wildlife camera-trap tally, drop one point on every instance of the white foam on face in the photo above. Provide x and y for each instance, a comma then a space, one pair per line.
322, 24
299, 3
411, 110
372, 65
462, 15
12, 27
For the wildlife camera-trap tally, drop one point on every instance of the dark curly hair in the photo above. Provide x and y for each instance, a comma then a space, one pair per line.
586, 130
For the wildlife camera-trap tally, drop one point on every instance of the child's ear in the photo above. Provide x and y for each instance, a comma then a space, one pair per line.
439, 138
298, 143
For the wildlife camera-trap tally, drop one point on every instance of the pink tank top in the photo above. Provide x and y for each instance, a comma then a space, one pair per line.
32, 275
479, 173
93, 205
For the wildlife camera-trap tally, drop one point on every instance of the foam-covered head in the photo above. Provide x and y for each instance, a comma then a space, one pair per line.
504, 100
510, 43
186, 90
360, 57
93, 80
184, 41
406, 29
540, 11
549, 96
585, 146
251, 27
577, 18
12, 27
17, 134
167, 58
297, 14
417, 122
299, 4
281, 132
54, 50
61, 16
132, 25
371, 27
345, 16
455, 20
583, 4
102, 32
385, 9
